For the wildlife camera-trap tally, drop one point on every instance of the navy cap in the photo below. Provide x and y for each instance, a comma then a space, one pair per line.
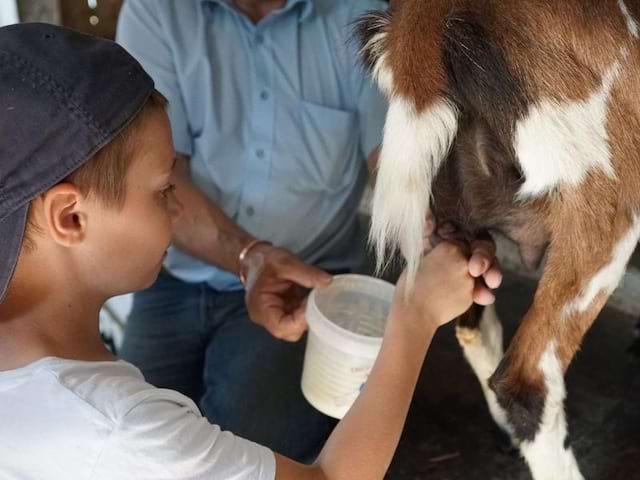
63, 96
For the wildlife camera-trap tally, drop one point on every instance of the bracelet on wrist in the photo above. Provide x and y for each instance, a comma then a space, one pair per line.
244, 253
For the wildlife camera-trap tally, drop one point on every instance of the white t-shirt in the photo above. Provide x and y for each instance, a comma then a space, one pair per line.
67, 420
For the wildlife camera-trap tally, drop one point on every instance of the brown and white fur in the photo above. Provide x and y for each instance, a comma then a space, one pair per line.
521, 116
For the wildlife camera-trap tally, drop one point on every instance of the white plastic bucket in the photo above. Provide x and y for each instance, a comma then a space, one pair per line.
346, 325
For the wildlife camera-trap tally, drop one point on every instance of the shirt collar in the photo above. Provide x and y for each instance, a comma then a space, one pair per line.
307, 6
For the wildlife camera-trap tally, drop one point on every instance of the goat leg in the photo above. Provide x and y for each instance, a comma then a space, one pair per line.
586, 260
479, 333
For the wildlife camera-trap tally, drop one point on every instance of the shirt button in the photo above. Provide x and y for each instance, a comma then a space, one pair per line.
259, 39
260, 153
250, 211
264, 95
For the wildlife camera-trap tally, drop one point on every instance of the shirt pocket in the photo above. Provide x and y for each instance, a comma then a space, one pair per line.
329, 151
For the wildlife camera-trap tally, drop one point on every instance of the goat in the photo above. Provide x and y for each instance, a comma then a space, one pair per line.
519, 116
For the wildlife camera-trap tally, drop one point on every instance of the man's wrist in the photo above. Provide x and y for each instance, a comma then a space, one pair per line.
244, 253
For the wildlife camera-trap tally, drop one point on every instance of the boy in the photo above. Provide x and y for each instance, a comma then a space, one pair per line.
86, 208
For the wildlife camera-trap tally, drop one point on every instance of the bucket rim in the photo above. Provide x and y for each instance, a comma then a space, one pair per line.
318, 322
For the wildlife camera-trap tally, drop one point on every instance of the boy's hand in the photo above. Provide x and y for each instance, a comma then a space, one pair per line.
443, 290
483, 264
277, 289
484, 267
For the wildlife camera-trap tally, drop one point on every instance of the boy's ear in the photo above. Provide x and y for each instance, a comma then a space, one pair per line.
65, 218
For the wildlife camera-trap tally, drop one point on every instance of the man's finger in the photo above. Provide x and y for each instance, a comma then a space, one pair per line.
271, 313
293, 326
302, 274
282, 325
289, 330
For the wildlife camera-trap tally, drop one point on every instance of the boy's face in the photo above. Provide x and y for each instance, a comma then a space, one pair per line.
125, 248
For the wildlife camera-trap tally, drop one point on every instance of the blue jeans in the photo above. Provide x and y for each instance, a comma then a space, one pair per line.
201, 342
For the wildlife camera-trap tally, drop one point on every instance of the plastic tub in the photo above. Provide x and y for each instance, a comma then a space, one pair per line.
346, 325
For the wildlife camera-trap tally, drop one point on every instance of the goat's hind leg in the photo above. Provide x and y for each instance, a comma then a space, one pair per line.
534, 404
479, 333
581, 272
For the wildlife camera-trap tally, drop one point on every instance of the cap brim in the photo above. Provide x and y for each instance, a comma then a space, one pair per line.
11, 235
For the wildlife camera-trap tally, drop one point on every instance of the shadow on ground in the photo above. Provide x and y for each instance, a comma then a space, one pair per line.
450, 435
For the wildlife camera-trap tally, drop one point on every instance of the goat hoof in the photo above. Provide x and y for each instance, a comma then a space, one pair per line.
467, 336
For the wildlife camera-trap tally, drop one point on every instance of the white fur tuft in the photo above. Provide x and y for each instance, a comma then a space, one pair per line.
375, 49
414, 147
381, 74
632, 24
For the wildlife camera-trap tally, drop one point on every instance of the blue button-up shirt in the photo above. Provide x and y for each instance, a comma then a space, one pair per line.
277, 117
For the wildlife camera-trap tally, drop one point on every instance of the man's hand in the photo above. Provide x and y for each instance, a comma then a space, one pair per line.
277, 288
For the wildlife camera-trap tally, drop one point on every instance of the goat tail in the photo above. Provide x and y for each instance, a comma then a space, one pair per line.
404, 57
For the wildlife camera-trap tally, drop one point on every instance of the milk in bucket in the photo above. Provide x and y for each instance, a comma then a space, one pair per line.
346, 325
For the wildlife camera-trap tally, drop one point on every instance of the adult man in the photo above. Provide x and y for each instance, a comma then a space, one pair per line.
273, 119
